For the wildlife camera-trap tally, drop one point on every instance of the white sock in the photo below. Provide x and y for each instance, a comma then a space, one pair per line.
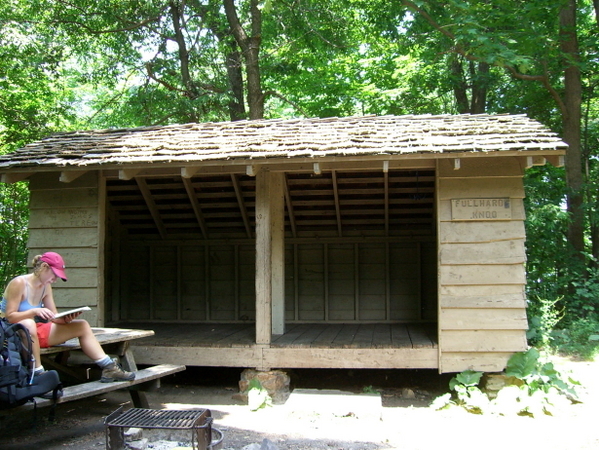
104, 362
39, 370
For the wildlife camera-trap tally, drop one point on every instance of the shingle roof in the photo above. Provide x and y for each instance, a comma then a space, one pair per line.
286, 139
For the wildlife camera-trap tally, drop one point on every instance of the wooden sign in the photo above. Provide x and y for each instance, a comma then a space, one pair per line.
481, 209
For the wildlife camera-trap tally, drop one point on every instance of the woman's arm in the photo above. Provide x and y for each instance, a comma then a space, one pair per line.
15, 293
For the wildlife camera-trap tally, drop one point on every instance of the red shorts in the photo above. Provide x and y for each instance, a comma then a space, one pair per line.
43, 331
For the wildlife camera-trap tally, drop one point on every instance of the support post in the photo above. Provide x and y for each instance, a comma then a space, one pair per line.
263, 258
277, 199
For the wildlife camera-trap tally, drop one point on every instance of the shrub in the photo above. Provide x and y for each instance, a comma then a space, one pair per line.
533, 388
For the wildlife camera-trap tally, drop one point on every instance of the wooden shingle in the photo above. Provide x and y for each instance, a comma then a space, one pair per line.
286, 139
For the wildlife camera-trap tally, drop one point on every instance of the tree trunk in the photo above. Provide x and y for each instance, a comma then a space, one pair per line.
571, 122
460, 88
480, 75
234, 73
250, 46
233, 61
183, 53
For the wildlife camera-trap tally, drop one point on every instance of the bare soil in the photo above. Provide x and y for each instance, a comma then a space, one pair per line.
404, 419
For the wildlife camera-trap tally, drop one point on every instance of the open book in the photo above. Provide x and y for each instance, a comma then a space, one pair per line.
72, 311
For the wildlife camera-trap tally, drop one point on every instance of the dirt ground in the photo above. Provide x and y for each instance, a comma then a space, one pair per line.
369, 409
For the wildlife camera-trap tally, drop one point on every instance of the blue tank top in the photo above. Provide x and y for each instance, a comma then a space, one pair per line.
24, 305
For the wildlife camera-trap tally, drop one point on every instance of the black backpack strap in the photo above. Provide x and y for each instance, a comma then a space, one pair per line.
52, 415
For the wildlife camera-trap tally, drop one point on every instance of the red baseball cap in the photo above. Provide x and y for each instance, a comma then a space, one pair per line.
56, 263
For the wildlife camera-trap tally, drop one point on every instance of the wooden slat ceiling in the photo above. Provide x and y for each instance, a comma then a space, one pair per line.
330, 204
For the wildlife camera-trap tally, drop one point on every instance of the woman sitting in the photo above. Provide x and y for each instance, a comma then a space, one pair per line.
28, 299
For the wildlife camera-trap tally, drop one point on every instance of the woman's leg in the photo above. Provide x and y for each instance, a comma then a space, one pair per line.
78, 328
91, 347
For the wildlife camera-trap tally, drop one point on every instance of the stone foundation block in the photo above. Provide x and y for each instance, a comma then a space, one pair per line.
276, 383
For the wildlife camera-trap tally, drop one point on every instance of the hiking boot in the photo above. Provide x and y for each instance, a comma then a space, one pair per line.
114, 372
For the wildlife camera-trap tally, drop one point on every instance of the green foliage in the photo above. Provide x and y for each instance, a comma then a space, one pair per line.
533, 388
369, 390
541, 387
14, 215
466, 394
581, 338
258, 396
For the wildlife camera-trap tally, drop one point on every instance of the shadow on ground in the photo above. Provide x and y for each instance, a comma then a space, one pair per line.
79, 424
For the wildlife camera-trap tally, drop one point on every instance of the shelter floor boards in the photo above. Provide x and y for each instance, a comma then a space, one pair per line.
310, 346
349, 336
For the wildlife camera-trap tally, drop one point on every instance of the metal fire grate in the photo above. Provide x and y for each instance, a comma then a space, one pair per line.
198, 422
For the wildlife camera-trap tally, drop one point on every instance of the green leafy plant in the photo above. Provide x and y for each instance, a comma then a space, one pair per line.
543, 315
258, 396
467, 393
533, 388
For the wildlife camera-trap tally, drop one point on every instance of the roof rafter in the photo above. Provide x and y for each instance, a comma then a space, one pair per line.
241, 203
147, 195
195, 204
337, 209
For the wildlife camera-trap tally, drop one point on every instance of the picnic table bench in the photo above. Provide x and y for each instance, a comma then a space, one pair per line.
116, 342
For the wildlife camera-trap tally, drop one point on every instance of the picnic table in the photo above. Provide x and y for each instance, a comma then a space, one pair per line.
116, 342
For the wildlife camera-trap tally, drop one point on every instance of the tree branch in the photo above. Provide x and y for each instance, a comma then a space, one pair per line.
543, 79
286, 100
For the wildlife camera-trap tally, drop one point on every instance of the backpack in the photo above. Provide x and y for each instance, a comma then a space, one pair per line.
17, 383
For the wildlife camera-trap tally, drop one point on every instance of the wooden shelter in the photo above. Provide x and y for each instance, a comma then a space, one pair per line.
364, 242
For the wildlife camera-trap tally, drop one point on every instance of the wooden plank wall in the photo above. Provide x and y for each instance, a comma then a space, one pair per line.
67, 218
335, 281
482, 306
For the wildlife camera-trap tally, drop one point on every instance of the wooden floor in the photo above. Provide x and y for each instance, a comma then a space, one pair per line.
296, 335
302, 346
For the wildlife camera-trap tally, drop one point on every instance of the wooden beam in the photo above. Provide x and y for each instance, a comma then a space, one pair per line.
128, 174
263, 259
241, 203
289, 206
337, 209
277, 200
67, 177
325, 249
535, 161
296, 277
207, 280
237, 288
195, 204
188, 172
356, 282
147, 195
387, 282
9, 178
180, 308
556, 160
386, 200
